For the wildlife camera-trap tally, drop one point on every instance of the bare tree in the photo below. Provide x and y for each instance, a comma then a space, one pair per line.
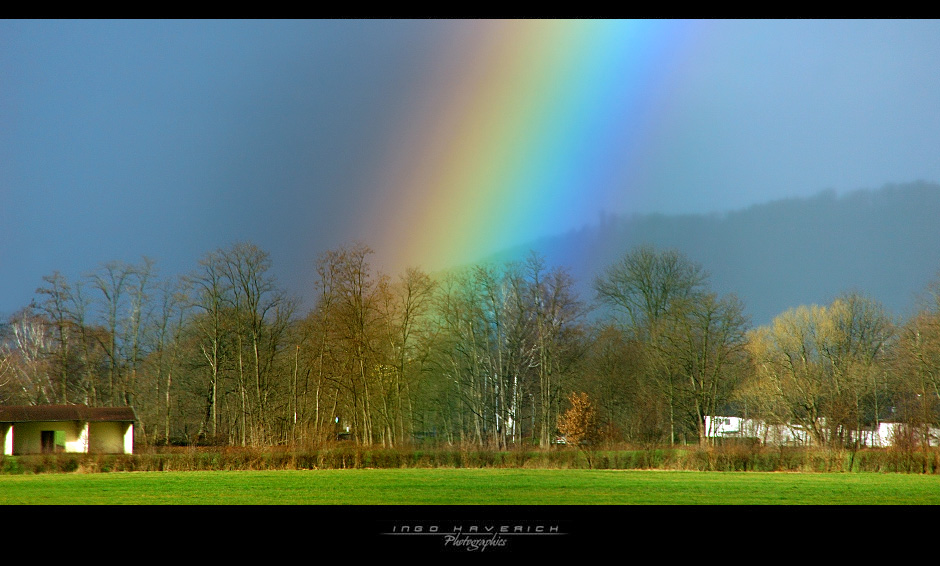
56, 308
855, 335
262, 312
644, 288
645, 284
136, 323
351, 303
111, 280
90, 338
787, 357
703, 340
821, 363
508, 341
458, 357
168, 330
557, 317
27, 351
406, 313
318, 347
613, 374
211, 296
916, 365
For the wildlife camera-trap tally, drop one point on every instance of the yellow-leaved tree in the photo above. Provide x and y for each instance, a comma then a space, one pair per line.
579, 424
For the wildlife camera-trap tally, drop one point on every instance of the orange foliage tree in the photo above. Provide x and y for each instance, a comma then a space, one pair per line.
579, 423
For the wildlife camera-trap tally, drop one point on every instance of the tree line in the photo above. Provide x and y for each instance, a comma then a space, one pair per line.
490, 355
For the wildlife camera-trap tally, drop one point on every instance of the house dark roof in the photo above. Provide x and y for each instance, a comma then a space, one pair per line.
26, 413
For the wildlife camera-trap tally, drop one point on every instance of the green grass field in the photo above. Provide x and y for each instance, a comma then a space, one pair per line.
468, 487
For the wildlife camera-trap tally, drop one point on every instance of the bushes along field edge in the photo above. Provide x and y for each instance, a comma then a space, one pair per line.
722, 458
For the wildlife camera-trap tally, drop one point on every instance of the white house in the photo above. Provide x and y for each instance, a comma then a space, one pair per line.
43, 429
790, 434
887, 434
737, 427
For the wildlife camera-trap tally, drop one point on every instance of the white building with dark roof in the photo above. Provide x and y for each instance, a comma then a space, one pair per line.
50, 429
885, 435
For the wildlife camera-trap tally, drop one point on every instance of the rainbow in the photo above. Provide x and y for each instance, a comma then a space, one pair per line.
524, 129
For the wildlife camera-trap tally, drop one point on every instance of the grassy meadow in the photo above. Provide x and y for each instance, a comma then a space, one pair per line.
468, 487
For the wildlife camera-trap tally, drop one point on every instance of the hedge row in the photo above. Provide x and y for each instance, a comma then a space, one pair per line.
712, 459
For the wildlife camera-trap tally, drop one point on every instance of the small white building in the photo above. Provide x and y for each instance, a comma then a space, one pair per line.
50, 429
887, 434
884, 435
737, 427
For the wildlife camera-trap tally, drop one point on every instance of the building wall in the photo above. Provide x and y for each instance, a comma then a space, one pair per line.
882, 437
887, 434
718, 426
6, 436
731, 427
80, 437
110, 438
129, 438
27, 437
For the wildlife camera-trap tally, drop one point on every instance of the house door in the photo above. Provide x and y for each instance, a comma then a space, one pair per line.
53, 441
47, 437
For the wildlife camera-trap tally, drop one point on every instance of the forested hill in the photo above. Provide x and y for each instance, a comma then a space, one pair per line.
884, 243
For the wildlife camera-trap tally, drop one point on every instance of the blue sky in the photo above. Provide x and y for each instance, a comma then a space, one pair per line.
170, 139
